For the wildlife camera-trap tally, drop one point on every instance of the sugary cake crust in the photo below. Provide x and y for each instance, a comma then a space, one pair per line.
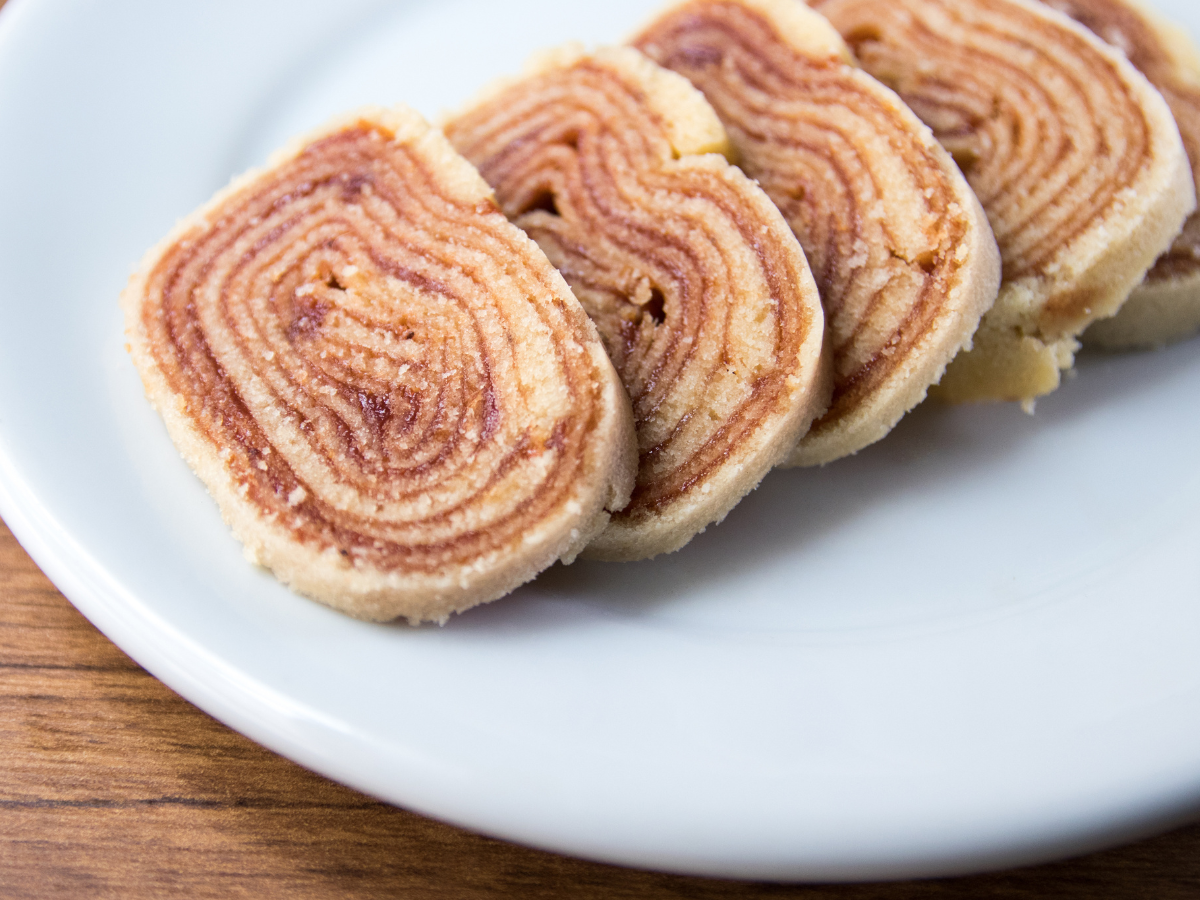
1156, 314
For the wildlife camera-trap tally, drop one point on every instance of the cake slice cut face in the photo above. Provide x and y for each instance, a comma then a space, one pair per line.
1074, 155
394, 398
902, 253
696, 283
1166, 306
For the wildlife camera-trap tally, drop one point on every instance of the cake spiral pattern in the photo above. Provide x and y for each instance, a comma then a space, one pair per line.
699, 289
1166, 306
902, 253
395, 400
1073, 154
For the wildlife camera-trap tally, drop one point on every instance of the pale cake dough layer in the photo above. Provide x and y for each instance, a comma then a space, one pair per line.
397, 403
1074, 155
901, 250
696, 283
1166, 306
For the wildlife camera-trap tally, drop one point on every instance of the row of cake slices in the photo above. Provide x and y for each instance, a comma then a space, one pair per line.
957, 230
974, 184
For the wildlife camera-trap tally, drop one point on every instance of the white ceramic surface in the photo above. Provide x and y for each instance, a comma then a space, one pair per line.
972, 645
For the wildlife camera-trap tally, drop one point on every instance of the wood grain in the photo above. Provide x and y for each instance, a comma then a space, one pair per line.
113, 786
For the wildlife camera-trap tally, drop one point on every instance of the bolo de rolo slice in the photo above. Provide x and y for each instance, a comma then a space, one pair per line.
1074, 155
1165, 307
393, 397
698, 287
902, 253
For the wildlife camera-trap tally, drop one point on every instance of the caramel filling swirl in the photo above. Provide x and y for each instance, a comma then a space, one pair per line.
391, 375
871, 197
700, 293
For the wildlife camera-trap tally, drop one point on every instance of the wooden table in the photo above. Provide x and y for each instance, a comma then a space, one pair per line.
113, 786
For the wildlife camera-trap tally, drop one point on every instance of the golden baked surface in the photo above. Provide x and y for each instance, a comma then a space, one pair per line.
1073, 155
903, 257
698, 287
394, 398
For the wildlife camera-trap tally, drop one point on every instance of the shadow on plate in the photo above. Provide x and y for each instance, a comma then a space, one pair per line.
932, 448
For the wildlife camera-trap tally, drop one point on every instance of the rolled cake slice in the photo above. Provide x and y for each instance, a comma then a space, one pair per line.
903, 256
700, 291
395, 400
1073, 154
1166, 306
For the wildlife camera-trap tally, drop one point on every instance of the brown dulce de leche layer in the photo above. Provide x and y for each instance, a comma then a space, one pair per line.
901, 250
395, 400
697, 285
1074, 155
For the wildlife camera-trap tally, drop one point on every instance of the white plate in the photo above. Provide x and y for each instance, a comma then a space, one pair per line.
971, 646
